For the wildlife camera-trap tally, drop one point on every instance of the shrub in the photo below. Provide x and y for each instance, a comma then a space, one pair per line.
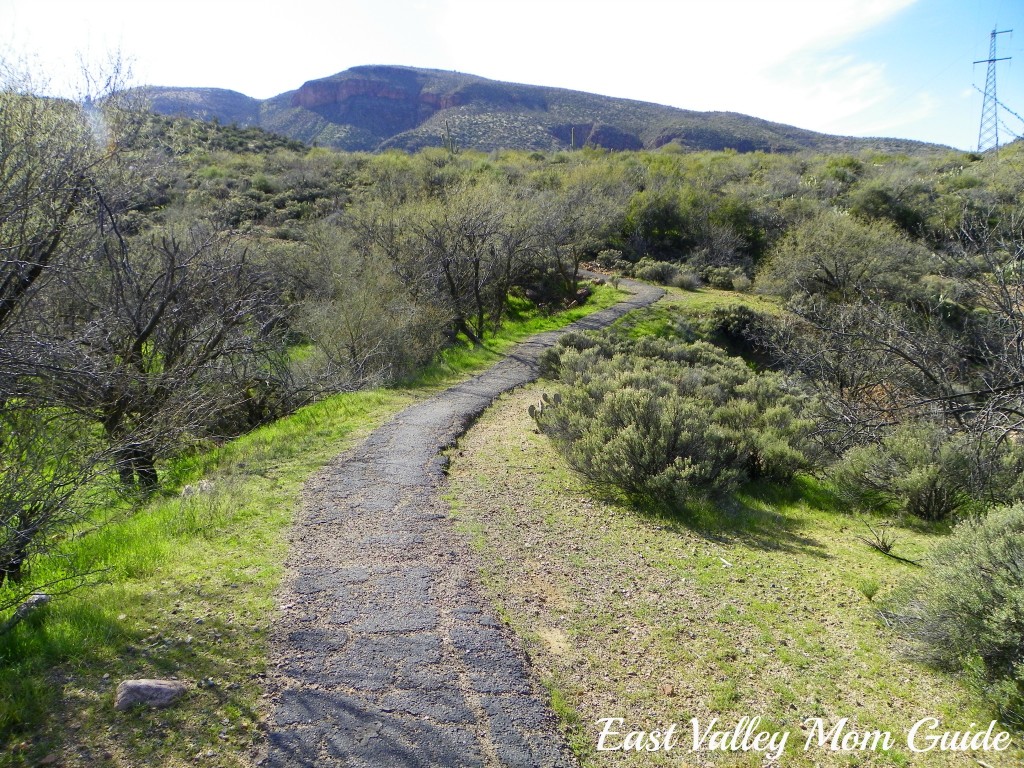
927, 472
662, 272
967, 611
668, 420
742, 283
840, 257
725, 278
688, 281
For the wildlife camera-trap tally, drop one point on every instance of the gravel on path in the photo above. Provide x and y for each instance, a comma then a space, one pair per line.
384, 653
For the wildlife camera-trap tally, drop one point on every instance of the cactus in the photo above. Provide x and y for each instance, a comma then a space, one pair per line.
448, 140
532, 410
557, 398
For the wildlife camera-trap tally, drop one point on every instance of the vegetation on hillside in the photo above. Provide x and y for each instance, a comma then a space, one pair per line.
167, 285
375, 108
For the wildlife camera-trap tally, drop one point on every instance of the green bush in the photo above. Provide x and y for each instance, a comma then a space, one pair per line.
967, 611
725, 278
661, 272
609, 258
842, 258
688, 281
668, 420
925, 471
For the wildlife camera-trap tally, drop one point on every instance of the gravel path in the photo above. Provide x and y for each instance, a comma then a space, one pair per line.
384, 653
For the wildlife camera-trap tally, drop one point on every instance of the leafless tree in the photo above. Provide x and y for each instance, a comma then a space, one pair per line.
154, 341
462, 251
878, 361
54, 154
61, 171
47, 460
571, 224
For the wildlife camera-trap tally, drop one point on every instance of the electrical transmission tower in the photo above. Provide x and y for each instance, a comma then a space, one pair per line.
988, 133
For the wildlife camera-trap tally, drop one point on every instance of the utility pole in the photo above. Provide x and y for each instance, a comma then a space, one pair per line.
988, 132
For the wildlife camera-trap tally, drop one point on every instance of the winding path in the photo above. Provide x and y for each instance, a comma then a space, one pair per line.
385, 653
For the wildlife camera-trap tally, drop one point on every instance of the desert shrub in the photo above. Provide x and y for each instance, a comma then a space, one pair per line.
667, 420
967, 611
875, 201
925, 471
655, 224
736, 328
725, 278
688, 281
742, 283
840, 257
662, 272
609, 257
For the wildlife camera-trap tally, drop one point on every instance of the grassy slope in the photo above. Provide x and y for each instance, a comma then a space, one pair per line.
189, 591
756, 610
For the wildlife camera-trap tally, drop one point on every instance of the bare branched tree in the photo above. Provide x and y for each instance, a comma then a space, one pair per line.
155, 341
46, 461
570, 225
61, 172
461, 252
878, 361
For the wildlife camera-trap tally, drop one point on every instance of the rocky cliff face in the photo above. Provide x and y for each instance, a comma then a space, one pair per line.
376, 107
324, 93
383, 101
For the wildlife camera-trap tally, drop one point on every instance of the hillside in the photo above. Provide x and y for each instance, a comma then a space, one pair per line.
372, 108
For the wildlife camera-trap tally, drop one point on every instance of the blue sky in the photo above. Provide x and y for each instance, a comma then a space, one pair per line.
855, 67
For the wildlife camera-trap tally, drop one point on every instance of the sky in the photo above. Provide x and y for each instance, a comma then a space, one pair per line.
900, 68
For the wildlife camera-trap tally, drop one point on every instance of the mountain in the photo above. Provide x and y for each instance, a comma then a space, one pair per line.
374, 108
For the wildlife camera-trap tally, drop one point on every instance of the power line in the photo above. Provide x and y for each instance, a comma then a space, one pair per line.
1003, 107
988, 131
1009, 130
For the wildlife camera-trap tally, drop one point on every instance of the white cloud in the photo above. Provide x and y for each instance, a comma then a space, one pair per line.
768, 58
763, 58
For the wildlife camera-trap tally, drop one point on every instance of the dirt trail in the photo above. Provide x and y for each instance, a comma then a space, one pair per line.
384, 653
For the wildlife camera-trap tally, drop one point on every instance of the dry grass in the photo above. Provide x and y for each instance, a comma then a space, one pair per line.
758, 610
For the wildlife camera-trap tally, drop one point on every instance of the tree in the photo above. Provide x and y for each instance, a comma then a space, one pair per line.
952, 353
463, 252
46, 459
841, 258
571, 224
58, 161
155, 340
459, 234
53, 155
365, 327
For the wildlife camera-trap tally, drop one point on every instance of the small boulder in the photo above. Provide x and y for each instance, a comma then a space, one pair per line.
33, 603
203, 486
152, 693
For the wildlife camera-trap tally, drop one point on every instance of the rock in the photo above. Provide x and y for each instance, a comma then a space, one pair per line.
33, 603
203, 486
152, 693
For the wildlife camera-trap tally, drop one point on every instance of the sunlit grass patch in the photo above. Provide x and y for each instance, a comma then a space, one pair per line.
185, 588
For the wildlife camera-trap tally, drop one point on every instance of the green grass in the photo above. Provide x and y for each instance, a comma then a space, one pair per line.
187, 588
692, 306
522, 320
756, 607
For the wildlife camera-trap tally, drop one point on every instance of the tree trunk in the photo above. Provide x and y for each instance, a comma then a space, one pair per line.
462, 326
12, 571
144, 466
